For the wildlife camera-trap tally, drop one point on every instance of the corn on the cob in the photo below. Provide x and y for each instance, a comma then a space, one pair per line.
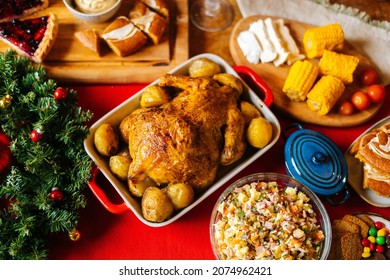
300, 79
325, 94
326, 37
339, 65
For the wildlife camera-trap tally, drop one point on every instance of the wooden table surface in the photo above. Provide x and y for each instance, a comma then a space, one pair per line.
218, 42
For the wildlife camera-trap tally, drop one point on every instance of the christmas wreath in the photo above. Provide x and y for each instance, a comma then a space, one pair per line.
43, 165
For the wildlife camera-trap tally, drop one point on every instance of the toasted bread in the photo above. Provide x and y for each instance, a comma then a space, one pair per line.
367, 220
343, 226
351, 246
362, 224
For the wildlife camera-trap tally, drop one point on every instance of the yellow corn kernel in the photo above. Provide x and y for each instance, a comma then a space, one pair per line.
326, 37
325, 94
339, 65
300, 79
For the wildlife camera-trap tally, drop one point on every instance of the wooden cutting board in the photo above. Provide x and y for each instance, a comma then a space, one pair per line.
70, 62
275, 77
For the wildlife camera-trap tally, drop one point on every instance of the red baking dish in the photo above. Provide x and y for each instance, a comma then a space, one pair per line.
262, 99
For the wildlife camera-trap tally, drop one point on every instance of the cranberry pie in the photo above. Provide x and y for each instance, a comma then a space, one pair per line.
12, 9
31, 37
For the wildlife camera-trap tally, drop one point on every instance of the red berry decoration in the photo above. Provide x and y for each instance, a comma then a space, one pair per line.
60, 93
36, 135
56, 195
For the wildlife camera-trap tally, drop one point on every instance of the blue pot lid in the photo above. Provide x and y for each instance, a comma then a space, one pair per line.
315, 161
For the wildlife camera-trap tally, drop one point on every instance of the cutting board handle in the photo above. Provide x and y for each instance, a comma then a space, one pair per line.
255, 82
102, 197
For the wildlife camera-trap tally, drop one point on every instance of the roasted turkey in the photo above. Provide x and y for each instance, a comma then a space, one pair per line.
186, 139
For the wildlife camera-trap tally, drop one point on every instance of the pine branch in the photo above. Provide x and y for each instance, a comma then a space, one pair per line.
57, 161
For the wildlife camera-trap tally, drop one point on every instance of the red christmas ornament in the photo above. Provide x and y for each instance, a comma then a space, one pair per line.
60, 93
56, 194
5, 152
36, 135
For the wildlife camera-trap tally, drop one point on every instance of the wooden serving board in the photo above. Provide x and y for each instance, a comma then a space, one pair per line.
70, 62
275, 77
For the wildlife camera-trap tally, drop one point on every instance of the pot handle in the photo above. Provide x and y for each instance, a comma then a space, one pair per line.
345, 196
286, 132
248, 75
102, 197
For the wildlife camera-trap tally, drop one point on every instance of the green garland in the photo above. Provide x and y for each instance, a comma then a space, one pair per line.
54, 162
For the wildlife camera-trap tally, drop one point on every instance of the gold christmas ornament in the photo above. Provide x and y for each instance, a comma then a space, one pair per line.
74, 235
5, 101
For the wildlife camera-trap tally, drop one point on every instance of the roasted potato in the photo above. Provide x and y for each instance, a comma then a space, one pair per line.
181, 195
249, 111
154, 96
138, 188
156, 205
229, 80
124, 128
106, 140
259, 132
203, 67
119, 165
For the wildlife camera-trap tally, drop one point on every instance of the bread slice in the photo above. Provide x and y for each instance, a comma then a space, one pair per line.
148, 21
367, 220
123, 37
160, 6
10, 9
32, 37
342, 226
90, 39
364, 228
351, 246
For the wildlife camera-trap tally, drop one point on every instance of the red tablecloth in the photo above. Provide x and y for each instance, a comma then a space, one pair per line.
107, 236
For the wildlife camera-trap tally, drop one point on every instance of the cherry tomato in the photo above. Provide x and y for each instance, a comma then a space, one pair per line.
369, 76
346, 108
360, 100
376, 93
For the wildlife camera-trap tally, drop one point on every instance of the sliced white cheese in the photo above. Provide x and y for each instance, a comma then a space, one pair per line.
277, 42
291, 45
268, 53
249, 46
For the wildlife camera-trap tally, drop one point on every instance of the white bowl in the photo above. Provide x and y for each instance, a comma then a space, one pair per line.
225, 173
93, 18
